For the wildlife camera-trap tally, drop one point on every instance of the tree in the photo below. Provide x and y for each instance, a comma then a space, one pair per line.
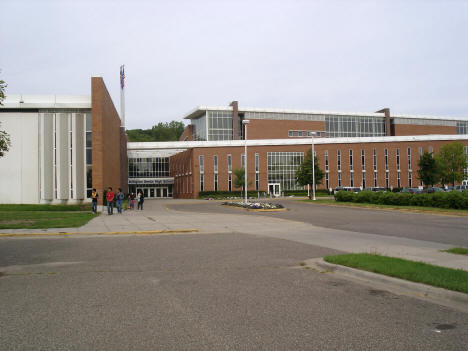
428, 169
163, 131
239, 178
452, 162
5, 141
304, 172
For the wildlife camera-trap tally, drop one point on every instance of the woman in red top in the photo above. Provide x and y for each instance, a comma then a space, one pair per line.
110, 201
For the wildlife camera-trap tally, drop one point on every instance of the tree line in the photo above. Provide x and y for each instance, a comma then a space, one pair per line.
163, 131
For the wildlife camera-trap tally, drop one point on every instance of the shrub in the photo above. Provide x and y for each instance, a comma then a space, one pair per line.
344, 196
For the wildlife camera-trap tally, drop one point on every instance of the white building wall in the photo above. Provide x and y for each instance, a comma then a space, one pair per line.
19, 168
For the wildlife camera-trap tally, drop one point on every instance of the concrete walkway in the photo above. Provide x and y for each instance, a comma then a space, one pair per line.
158, 217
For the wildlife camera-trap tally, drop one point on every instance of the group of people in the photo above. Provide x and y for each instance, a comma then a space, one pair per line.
118, 198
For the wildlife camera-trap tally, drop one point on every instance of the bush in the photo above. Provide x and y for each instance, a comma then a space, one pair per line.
452, 199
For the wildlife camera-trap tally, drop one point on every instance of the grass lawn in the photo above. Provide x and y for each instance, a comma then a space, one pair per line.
457, 250
448, 278
44, 216
391, 207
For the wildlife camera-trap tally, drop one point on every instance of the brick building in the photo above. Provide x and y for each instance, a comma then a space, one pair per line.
354, 149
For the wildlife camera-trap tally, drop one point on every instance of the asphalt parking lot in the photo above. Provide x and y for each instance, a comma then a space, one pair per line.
201, 292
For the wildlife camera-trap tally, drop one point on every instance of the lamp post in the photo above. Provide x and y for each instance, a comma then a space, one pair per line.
245, 122
312, 134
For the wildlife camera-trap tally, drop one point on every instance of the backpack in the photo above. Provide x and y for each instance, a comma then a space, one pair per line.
121, 196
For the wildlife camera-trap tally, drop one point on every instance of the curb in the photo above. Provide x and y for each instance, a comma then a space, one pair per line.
141, 232
449, 298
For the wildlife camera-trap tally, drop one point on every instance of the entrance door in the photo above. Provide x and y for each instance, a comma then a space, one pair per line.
274, 189
164, 192
145, 192
151, 192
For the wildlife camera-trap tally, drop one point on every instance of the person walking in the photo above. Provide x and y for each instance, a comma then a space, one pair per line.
94, 198
141, 199
110, 201
118, 200
131, 199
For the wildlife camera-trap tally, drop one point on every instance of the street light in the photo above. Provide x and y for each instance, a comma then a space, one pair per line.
312, 134
245, 122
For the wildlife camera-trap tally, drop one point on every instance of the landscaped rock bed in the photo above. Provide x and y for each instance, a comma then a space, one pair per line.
255, 205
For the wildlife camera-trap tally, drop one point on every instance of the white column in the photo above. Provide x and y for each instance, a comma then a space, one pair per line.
78, 150
63, 156
47, 156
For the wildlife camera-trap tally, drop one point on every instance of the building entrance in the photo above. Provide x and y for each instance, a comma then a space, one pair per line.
155, 192
274, 189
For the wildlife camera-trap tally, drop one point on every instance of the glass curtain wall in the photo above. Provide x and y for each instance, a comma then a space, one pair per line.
354, 126
151, 167
282, 167
219, 125
199, 128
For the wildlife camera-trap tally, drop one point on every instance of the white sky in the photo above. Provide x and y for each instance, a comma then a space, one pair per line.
350, 55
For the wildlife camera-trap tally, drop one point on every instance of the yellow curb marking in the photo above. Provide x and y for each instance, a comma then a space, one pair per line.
142, 232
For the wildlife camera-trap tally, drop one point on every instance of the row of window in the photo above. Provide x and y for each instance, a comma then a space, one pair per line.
151, 167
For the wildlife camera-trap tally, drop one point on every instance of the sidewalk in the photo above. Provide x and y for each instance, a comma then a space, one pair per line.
156, 217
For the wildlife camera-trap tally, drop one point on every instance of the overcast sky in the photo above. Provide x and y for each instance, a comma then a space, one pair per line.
410, 56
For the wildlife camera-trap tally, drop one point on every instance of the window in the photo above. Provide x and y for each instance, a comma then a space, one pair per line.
243, 161
215, 167
431, 150
410, 179
409, 159
420, 152
351, 179
354, 126
398, 179
387, 185
257, 172
363, 160
363, 183
229, 168
339, 178
202, 171
282, 167
375, 160
386, 160
351, 160
398, 158
375, 179
148, 167
219, 125
326, 160
327, 181
338, 159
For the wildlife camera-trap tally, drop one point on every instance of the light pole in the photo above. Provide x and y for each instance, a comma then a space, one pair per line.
312, 134
245, 122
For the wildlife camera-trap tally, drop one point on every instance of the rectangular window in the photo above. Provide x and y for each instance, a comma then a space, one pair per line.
398, 179
363, 160
387, 181
410, 179
339, 178
202, 171
409, 159
350, 159
398, 158
386, 160
243, 160
229, 167
338, 158
282, 167
327, 180
351, 179
431, 150
363, 183
216, 182
326, 160
375, 160
257, 171
420, 152
375, 179
230, 182
215, 168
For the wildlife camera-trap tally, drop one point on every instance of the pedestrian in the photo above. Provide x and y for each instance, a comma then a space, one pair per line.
94, 198
118, 200
110, 201
141, 199
131, 198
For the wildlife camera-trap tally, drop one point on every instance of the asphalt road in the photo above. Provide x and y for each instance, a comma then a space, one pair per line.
201, 292
429, 227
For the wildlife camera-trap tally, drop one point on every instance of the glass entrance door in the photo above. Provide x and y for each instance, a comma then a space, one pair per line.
274, 189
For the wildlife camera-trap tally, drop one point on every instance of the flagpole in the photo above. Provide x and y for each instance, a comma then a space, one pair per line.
122, 96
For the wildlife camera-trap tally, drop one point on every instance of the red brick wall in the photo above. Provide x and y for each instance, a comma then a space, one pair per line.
109, 153
278, 129
410, 129
236, 152
181, 169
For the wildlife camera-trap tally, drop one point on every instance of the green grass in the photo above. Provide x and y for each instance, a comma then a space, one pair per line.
419, 272
390, 207
41, 207
457, 250
44, 216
